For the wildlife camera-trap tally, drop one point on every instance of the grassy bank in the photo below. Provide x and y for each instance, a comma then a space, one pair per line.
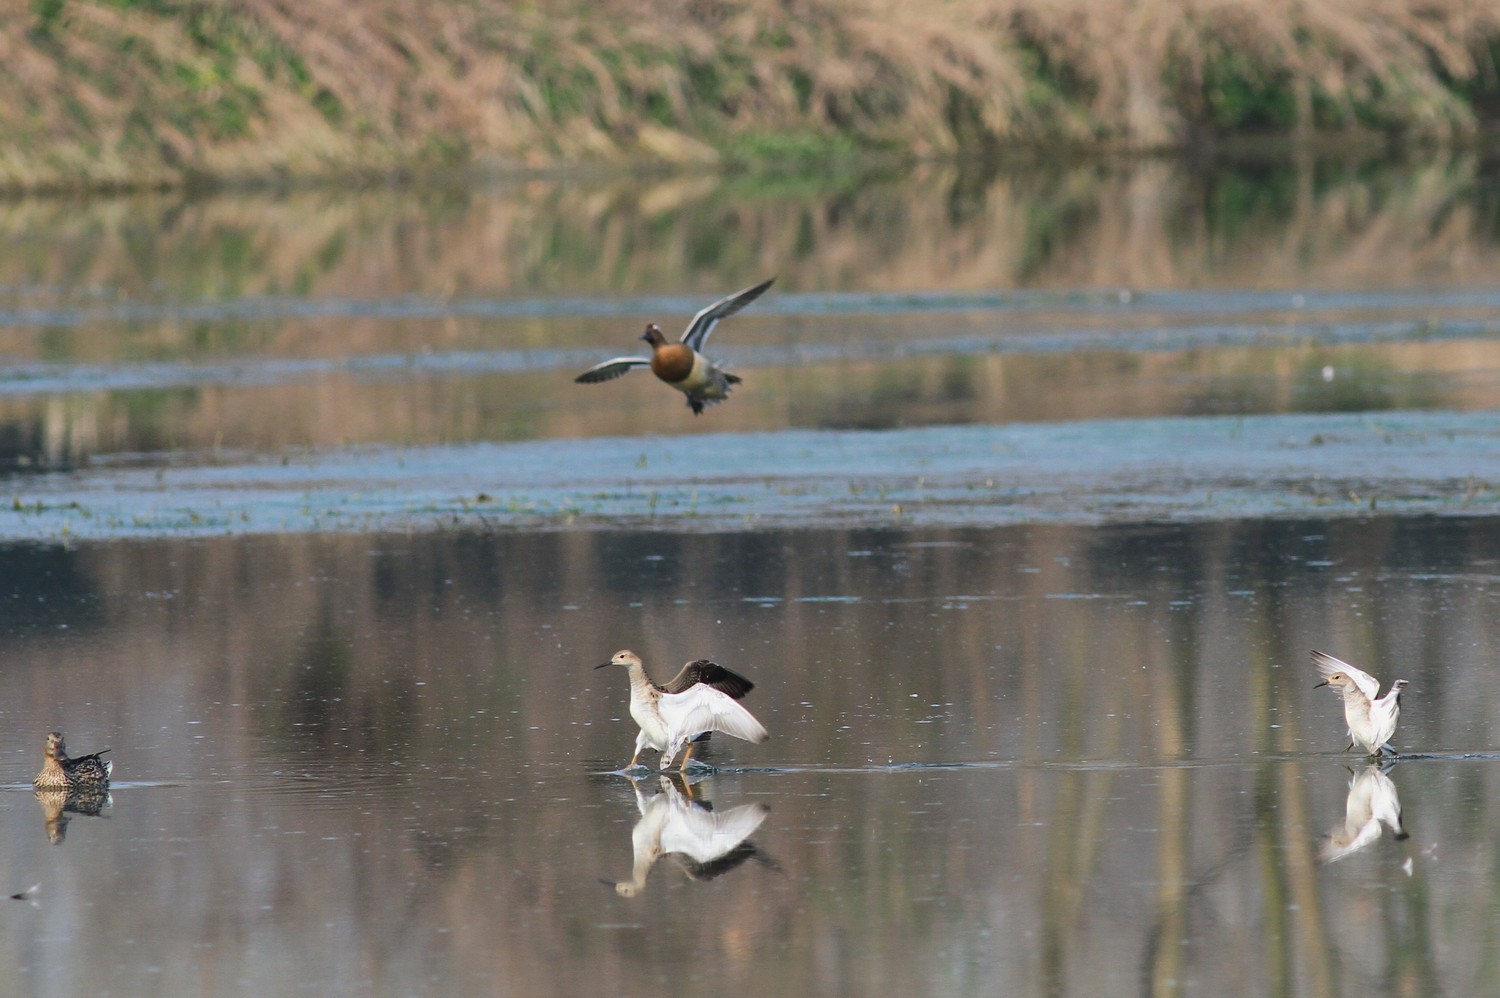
102, 93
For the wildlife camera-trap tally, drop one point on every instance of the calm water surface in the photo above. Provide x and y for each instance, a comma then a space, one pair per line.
1037, 493
1079, 761
212, 328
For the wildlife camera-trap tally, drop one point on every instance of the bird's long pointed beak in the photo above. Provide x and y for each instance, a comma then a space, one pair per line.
604, 665
1323, 683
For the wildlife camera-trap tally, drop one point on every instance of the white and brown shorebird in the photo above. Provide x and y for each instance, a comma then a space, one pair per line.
698, 701
61, 773
1371, 717
682, 364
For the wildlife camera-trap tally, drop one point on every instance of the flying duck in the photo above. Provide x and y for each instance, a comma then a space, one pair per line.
683, 365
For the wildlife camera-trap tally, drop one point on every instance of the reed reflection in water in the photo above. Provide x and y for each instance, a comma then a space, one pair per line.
1303, 223
265, 323
1078, 761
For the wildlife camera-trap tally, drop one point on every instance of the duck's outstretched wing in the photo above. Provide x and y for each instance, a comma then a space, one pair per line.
704, 322
709, 674
610, 369
1327, 665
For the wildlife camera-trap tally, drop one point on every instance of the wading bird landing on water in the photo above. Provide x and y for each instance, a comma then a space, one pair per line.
683, 365
699, 700
1371, 717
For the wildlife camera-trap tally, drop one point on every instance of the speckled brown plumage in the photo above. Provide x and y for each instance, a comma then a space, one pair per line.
59, 805
60, 772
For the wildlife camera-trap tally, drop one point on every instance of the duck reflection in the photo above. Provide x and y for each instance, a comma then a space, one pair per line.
1372, 800
705, 843
58, 807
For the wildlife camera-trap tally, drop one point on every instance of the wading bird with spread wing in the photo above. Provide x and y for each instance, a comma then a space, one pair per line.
701, 699
1371, 717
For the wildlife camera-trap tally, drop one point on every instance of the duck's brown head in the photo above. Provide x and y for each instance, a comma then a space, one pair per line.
55, 747
653, 335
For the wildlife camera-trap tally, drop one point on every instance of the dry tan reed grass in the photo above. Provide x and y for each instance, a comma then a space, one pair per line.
158, 92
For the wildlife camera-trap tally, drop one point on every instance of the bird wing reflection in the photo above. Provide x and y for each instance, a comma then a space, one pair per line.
1372, 801
59, 805
705, 843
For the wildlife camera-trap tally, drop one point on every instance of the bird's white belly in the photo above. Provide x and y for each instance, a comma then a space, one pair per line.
1371, 725
704, 380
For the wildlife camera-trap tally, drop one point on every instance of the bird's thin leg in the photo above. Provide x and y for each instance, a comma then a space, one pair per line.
1350, 745
685, 757
635, 760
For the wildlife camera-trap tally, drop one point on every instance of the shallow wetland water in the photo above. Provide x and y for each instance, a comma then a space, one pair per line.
1075, 758
1036, 496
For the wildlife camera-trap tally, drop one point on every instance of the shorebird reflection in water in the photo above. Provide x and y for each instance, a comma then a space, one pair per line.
1372, 800
29, 895
699, 700
682, 364
61, 773
1371, 717
705, 843
59, 806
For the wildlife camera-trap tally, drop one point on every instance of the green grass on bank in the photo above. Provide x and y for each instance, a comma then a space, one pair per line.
127, 93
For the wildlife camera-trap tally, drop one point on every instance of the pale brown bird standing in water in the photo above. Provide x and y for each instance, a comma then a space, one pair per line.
699, 700
683, 365
1371, 717
61, 773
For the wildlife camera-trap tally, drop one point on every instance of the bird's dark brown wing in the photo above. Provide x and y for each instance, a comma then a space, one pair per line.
89, 768
709, 674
